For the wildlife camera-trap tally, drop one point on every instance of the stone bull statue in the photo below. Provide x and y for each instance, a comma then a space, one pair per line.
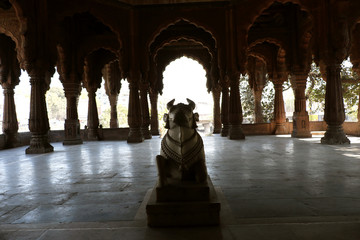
182, 156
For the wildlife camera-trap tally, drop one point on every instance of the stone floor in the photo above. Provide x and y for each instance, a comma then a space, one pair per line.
270, 187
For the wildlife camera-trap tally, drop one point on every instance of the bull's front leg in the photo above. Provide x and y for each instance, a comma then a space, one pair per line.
161, 165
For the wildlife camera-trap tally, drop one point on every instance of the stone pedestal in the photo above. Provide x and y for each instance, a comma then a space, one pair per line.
301, 125
39, 143
335, 135
183, 204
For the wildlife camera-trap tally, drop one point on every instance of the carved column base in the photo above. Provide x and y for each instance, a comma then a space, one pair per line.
146, 132
39, 143
225, 130
10, 140
217, 130
236, 132
72, 132
114, 123
155, 132
93, 134
301, 125
135, 136
280, 129
335, 135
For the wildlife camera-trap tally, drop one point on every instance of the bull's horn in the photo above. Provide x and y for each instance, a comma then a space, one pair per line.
191, 103
170, 104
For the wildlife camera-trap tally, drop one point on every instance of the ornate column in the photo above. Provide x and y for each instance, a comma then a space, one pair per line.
9, 78
38, 120
301, 128
216, 111
235, 110
145, 111
112, 75
225, 110
279, 108
72, 124
93, 118
154, 120
10, 124
259, 117
334, 107
113, 99
134, 114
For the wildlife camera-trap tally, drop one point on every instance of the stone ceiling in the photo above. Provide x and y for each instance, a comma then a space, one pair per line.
153, 2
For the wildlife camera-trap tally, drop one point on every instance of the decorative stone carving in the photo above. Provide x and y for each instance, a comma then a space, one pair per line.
301, 128
72, 124
184, 195
182, 154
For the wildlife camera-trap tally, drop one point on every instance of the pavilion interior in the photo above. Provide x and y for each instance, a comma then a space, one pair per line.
275, 180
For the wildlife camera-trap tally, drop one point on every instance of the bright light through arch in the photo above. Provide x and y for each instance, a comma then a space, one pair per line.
186, 78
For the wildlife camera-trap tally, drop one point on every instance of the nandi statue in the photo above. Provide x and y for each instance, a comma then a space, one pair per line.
182, 156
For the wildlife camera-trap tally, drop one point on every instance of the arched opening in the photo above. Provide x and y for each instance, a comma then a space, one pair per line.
186, 78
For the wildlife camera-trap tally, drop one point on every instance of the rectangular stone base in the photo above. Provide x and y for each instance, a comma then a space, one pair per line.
178, 191
183, 213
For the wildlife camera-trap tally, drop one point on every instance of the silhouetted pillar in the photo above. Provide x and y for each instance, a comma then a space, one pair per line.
145, 112
113, 99
235, 110
301, 128
279, 108
134, 114
38, 120
334, 107
216, 110
72, 124
10, 124
112, 75
93, 117
225, 110
154, 120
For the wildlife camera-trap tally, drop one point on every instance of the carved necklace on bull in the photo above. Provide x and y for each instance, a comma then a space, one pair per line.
190, 157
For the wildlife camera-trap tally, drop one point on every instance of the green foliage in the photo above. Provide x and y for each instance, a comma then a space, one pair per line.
248, 103
56, 103
267, 101
315, 91
247, 98
351, 90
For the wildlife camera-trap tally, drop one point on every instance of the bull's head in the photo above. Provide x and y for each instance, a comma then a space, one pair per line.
181, 115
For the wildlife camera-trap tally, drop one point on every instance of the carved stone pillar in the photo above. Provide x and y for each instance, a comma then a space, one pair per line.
154, 120
225, 111
10, 125
93, 117
216, 110
145, 112
72, 124
38, 120
235, 110
113, 99
134, 114
301, 128
279, 109
112, 75
259, 117
334, 107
